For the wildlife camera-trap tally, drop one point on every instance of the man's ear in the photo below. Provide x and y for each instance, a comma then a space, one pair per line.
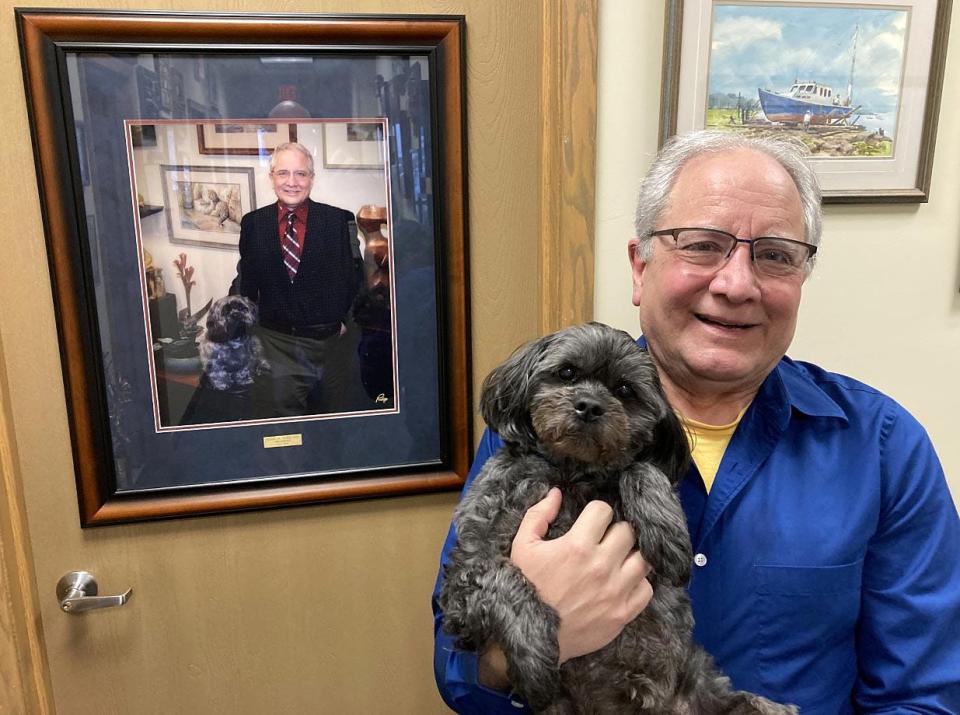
637, 266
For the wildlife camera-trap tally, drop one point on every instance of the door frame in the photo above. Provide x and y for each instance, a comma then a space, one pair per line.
23, 658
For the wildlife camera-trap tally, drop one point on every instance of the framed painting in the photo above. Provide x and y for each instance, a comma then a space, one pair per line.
243, 138
203, 374
858, 82
204, 204
353, 144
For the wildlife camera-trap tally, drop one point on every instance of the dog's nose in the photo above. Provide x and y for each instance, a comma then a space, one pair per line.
588, 409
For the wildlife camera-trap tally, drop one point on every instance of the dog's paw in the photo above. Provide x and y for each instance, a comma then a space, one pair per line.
673, 564
749, 704
768, 707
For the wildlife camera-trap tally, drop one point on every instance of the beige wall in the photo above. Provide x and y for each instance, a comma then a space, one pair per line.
376, 559
883, 303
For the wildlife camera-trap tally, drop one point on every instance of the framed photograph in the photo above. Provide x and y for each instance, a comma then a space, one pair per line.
204, 204
355, 144
203, 371
243, 138
857, 81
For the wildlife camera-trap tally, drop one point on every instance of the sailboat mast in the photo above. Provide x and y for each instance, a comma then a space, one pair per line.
853, 66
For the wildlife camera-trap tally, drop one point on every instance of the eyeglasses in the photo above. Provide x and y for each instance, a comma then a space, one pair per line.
711, 248
299, 174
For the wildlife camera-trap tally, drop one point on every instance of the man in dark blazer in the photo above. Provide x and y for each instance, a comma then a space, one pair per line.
300, 262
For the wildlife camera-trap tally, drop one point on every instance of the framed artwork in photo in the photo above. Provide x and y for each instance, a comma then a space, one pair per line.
204, 204
202, 374
353, 144
244, 138
856, 81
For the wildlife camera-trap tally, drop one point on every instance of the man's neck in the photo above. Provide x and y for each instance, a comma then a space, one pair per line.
710, 406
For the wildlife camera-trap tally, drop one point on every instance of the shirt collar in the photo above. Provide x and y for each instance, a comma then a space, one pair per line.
803, 393
300, 211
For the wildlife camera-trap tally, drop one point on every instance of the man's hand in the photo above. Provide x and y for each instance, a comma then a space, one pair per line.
593, 576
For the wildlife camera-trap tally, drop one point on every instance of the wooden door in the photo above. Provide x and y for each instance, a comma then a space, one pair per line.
307, 609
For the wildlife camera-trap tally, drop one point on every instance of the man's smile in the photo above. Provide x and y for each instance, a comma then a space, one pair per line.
720, 322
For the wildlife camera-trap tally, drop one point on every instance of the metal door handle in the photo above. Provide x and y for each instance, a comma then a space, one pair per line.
77, 592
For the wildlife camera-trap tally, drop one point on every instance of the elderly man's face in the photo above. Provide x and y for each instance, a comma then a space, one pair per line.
721, 330
292, 179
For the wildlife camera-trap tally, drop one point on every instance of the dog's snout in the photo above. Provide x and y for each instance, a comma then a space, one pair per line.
588, 409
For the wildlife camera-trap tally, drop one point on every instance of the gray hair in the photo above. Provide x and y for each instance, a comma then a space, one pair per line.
291, 146
656, 186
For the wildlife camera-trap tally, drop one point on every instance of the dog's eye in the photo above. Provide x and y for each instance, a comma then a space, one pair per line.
567, 373
623, 391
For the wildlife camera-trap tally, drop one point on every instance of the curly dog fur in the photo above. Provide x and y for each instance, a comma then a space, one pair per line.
583, 410
230, 353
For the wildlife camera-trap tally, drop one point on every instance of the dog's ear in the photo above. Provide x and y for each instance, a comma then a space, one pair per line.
505, 395
669, 449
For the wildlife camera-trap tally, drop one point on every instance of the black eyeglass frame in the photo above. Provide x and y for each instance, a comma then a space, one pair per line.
811, 248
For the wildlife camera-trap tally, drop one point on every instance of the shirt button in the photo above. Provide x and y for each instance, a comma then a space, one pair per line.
700, 560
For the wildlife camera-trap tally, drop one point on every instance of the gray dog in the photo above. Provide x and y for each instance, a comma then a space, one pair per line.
229, 351
583, 410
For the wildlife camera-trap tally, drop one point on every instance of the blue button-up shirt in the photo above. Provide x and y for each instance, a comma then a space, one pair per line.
827, 568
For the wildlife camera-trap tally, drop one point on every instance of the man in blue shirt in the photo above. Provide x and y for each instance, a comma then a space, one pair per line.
827, 567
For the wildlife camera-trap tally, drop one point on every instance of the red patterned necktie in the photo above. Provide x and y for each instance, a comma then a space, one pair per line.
291, 247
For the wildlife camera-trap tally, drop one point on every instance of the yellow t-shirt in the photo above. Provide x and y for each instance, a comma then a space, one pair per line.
708, 443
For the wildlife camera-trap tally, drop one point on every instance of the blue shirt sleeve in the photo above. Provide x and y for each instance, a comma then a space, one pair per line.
908, 639
454, 669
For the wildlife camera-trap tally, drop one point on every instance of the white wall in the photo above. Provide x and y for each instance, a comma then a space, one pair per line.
883, 303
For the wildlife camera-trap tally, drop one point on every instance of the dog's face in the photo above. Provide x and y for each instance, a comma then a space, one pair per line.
587, 394
230, 317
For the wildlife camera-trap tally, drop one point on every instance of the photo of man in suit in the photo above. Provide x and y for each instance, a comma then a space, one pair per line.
300, 262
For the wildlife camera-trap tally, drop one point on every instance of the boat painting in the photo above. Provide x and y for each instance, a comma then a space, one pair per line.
827, 74
805, 103
811, 102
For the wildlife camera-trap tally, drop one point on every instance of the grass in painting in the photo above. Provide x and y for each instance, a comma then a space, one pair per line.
822, 141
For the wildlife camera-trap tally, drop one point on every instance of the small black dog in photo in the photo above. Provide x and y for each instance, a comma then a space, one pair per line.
230, 353
232, 358
583, 410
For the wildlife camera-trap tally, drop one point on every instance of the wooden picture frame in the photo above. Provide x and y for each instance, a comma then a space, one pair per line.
858, 81
125, 469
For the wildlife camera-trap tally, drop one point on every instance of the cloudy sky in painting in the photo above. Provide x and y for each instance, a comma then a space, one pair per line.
770, 46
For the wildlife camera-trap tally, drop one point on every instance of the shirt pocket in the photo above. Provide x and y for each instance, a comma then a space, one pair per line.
807, 617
